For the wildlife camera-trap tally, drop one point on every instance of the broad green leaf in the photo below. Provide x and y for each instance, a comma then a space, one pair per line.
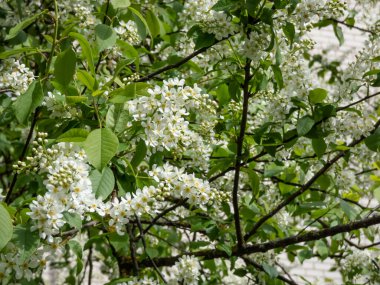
225, 5
26, 50
270, 270
64, 66
317, 95
278, 76
26, 241
103, 182
304, 125
77, 249
350, 212
105, 36
338, 33
142, 19
372, 72
152, 252
73, 135
224, 247
373, 141
289, 31
28, 102
6, 227
322, 248
73, 219
117, 118
153, 23
120, 4
86, 78
319, 146
13, 32
86, 50
252, 6
72, 100
140, 154
100, 146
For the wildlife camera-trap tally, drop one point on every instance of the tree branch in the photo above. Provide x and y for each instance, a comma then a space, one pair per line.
240, 140
263, 247
305, 187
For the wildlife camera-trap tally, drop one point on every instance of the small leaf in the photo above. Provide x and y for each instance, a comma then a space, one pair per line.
338, 33
254, 180
304, 125
6, 227
319, 146
86, 50
373, 141
322, 249
86, 78
25, 240
129, 92
120, 4
100, 146
317, 95
252, 6
105, 36
270, 270
64, 66
224, 247
28, 102
73, 135
73, 219
225, 5
289, 31
103, 182
350, 212
140, 154
13, 32
278, 76
376, 193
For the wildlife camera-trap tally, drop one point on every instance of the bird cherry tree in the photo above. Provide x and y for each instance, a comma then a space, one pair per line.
187, 142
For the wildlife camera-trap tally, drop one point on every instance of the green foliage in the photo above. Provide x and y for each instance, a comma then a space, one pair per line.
6, 227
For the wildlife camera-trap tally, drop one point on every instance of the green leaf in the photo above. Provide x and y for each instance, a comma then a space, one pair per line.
25, 240
120, 4
103, 182
64, 66
153, 23
28, 102
319, 146
254, 180
13, 32
266, 16
73, 135
105, 36
77, 249
376, 193
225, 5
26, 50
224, 247
317, 95
252, 6
289, 31
100, 146
86, 50
140, 154
129, 92
73, 219
86, 78
371, 72
304, 125
373, 141
6, 227
350, 212
322, 249
278, 76
270, 270
152, 252
338, 33
139, 16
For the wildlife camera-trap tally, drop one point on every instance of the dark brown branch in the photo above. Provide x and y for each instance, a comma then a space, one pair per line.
263, 247
261, 268
357, 102
179, 63
22, 156
132, 248
306, 186
240, 140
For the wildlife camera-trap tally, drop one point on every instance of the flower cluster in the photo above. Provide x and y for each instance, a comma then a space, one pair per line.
55, 102
127, 31
178, 184
164, 115
15, 77
185, 271
67, 182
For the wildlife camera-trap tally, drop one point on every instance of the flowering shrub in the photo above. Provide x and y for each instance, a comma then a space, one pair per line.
186, 142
